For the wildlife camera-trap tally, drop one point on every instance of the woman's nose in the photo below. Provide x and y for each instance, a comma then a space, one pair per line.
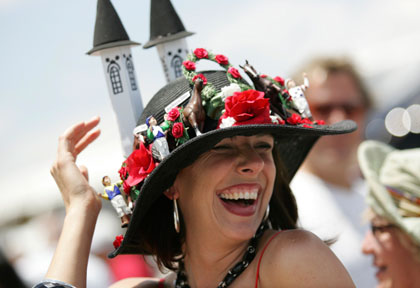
368, 243
250, 162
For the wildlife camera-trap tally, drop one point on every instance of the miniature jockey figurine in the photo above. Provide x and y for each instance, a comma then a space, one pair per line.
298, 97
157, 135
112, 192
139, 134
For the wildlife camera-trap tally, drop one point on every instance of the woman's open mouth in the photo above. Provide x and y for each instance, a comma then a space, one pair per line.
240, 199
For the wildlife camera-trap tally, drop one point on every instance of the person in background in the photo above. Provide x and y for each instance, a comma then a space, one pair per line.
328, 188
393, 177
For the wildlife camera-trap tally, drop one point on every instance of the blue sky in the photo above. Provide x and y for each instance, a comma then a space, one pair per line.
49, 83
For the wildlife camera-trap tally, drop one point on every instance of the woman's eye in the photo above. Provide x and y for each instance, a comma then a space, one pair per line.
222, 148
265, 146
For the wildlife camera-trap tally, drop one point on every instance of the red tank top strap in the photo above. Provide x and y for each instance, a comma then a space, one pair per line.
262, 253
161, 283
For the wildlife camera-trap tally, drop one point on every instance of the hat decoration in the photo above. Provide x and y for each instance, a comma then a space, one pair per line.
233, 105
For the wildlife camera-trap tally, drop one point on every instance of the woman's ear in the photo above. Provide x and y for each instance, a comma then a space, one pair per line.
171, 193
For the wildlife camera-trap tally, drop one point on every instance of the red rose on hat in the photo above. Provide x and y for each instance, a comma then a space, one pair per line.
247, 107
202, 78
201, 53
234, 72
189, 65
117, 241
123, 171
294, 119
306, 121
222, 59
279, 79
320, 122
173, 114
126, 188
178, 130
140, 164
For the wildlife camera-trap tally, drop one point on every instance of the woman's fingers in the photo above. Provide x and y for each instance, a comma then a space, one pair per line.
86, 140
72, 180
71, 137
81, 129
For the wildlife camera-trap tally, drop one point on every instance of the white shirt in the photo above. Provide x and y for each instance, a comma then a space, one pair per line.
332, 212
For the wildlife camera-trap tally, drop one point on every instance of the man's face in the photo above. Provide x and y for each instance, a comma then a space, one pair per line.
334, 99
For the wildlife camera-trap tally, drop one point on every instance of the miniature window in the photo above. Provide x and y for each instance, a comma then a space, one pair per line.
176, 63
130, 69
114, 74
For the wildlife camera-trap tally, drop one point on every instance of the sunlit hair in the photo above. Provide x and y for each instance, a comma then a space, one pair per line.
322, 67
162, 241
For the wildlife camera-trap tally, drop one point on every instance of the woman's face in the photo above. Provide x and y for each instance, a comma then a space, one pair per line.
228, 188
394, 261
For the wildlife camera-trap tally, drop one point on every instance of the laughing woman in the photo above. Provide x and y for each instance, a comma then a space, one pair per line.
218, 210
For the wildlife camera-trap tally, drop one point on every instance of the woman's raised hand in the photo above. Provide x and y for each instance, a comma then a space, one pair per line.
71, 179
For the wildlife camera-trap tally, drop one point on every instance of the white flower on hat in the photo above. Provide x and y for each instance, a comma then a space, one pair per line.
227, 122
228, 91
275, 119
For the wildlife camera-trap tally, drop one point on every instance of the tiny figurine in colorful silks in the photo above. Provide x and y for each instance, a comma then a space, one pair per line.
298, 97
157, 135
112, 192
139, 134
194, 111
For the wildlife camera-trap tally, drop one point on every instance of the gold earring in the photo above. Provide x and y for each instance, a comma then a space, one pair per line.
267, 213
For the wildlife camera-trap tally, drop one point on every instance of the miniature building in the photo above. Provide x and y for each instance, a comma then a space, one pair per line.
112, 43
168, 34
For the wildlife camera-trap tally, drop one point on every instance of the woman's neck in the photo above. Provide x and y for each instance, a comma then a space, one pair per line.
207, 260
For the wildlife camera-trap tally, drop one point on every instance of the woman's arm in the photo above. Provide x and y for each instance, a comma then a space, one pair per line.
298, 258
69, 263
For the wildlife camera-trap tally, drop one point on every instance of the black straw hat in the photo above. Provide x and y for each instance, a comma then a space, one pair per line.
293, 135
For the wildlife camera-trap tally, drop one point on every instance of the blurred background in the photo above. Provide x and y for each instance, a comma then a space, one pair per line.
49, 83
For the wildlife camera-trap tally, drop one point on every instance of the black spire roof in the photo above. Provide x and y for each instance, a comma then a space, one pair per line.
109, 30
165, 24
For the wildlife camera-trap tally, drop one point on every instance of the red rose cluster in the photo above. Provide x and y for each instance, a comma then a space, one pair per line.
247, 107
189, 65
201, 53
222, 59
140, 164
297, 119
202, 78
173, 114
234, 72
117, 241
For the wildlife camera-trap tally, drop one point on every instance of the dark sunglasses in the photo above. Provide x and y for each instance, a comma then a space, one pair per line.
379, 229
349, 109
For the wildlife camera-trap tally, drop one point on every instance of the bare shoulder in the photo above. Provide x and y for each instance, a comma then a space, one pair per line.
298, 258
137, 282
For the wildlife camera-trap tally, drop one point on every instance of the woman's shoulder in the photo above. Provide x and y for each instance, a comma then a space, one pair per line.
296, 256
290, 245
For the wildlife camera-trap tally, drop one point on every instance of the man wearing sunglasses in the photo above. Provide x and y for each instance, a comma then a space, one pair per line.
329, 184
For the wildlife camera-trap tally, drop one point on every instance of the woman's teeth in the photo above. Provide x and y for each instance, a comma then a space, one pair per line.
251, 195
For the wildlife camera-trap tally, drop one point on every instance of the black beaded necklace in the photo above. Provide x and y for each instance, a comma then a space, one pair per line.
182, 279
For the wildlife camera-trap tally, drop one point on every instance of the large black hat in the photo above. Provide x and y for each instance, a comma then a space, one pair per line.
225, 117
